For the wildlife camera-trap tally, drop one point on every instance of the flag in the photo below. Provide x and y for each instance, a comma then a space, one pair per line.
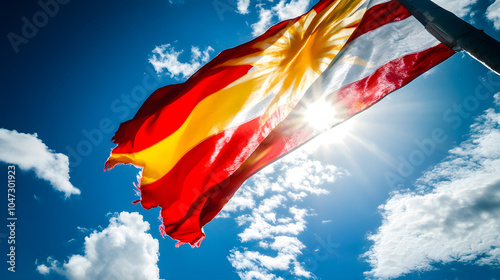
198, 141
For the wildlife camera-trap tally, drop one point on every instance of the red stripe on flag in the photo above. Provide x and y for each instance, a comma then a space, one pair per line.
168, 108
183, 191
197, 168
380, 15
391, 76
321, 5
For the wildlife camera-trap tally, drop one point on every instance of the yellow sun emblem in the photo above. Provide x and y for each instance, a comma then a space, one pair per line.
290, 61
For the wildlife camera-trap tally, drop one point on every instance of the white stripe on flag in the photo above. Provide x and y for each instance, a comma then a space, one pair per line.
376, 2
374, 49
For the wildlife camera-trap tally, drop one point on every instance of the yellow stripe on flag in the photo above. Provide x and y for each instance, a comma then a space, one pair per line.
211, 116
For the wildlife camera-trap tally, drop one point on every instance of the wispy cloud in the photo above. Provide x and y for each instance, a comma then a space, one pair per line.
283, 10
273, 223
242, 6
265, 21
43, 269
461, 8
30, 153
291, 9
493, 14
82, 229
453, 216
166, 58
108, 254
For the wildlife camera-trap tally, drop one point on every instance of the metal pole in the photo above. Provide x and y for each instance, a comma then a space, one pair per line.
456, 33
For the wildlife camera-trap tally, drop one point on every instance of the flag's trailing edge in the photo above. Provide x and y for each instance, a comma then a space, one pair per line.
198, 141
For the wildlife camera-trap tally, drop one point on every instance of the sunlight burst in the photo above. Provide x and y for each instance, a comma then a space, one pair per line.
329, 121
320, 115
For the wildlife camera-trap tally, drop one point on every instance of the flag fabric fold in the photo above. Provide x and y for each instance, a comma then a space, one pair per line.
198, 141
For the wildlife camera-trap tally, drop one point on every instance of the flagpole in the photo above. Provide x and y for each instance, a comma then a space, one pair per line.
456, 33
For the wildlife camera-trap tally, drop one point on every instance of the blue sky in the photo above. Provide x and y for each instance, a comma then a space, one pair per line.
339, 208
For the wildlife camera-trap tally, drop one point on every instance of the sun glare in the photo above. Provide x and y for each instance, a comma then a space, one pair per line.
320, 115
335, 135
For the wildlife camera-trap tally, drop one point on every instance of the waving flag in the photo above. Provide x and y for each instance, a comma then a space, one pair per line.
198, 141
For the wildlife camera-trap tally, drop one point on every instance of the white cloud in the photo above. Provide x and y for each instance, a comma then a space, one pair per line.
123, 250
43, 269
282, 10
293, 177
256, 265
493, 14
165, 57
265, 21
454, 215
243, 6
273, 223
82, 229
459, 7
263, 225
291, 10
30, 153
